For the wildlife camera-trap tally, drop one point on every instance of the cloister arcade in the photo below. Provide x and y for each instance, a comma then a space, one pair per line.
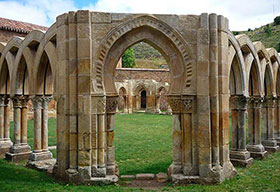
74, 63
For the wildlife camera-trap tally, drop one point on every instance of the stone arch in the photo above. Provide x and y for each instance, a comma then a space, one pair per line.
154, 32
46, 58
24, 61
4, 74
8, 55
275, 62
237, 73
122, 103
252, 65
266, 68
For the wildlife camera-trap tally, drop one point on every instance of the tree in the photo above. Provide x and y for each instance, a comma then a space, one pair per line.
128, 59
277, 20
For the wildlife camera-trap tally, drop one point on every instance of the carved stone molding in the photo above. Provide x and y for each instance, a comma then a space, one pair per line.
17, 101
150, 21
2, 101
37, 102
269, 102
175, 104
187, 104
45, 102
101, 105
24, 101
239, 102
255, 102
111, 104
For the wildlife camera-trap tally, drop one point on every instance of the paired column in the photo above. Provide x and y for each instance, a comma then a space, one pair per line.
255, 146
125, 110
40, 152
5, 141
268, 140
20, 149
238, 152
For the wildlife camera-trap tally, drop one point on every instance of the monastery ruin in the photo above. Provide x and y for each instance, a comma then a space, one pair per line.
212, 74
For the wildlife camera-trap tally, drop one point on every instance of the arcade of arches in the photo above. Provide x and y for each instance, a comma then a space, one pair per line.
212, 74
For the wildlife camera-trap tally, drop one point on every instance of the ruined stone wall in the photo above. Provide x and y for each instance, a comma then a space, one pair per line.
159, 75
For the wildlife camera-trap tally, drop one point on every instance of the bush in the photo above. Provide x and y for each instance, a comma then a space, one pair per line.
277, 20
278, 47
249, 30
128, 59
267, 29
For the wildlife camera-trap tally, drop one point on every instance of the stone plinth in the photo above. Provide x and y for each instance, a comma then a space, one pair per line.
241, 158
5, 146
257, 151
18, 153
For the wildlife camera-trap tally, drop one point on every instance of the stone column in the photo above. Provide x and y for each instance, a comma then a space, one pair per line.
255, 146
277, 121
157, 104
111, 104
268, 140
19, 151
24, 111
176, 167
40, 152
125, 104
238, 153
5, 141
45, 103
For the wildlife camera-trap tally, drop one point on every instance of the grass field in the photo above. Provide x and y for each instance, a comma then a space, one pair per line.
143, 144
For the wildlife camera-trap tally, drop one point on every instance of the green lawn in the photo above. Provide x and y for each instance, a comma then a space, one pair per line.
143, 144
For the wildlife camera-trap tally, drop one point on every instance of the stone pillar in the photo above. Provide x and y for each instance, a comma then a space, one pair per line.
157, 104
111, 104
277, 121
125, 107
19, 151
5, 141
238, 153
268, 140
40, 152
177, 164
255, 146
24, 111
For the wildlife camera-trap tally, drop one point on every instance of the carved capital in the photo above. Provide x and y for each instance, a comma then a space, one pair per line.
269, 102
24, 101
7, 100
37, 102
255, 102
239, 102
175, 104
45, 101
187, 104
101, 104
2, 100
111, 104
16, 101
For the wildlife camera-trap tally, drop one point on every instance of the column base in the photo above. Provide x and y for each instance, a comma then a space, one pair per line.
257, 151
5, 146
81, 176
18, 153
44, 165
270, 145
182, 179
40, 156
277, 140
175, 169
241, 158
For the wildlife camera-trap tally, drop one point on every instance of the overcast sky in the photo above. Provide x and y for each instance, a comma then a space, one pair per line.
242, 14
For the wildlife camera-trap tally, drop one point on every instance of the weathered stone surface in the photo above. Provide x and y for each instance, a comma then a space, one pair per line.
128, 177
145, 176
161, 177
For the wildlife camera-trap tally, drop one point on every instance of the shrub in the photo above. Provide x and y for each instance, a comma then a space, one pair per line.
277, 20
267, 29
128, 59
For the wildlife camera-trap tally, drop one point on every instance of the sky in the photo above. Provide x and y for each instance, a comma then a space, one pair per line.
242, 14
